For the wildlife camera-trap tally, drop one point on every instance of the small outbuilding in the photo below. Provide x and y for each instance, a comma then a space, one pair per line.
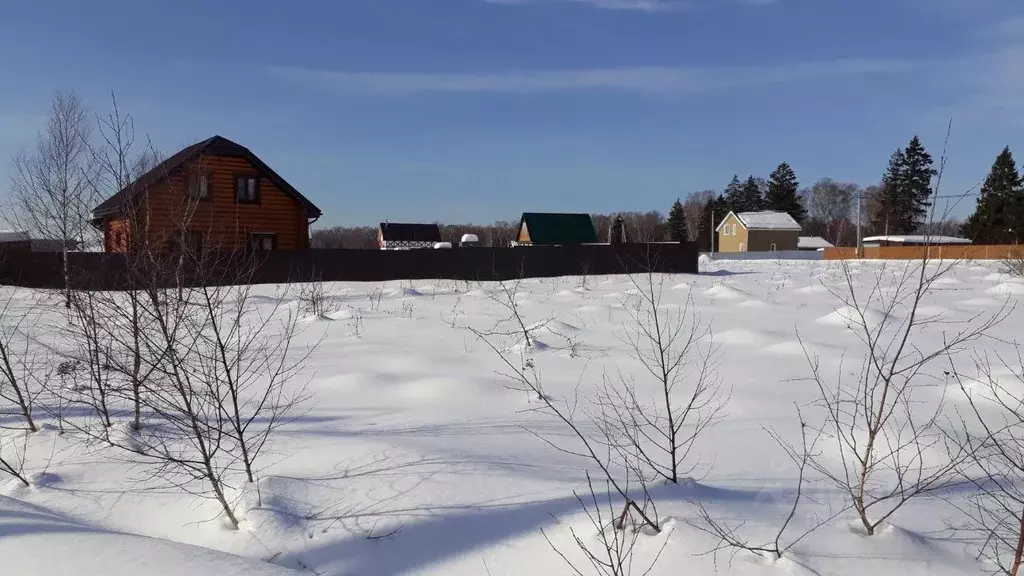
765, 231
537, 228
912, 240
406, 236
812, 243
20, 241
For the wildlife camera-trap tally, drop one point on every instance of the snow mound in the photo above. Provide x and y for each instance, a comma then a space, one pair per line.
1007, 289
740, 336
980, 302
437, 389
535, 345
340, 315
477, 293
34, 540
812, 289
552, 327
932, 312
848, 317
788, 348
400, 293
994, 277
946, 281
682, 286
723, 292
753, 304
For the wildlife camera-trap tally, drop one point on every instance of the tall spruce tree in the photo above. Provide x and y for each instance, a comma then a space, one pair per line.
884, 211
902, 205
997, 216
751, 198
743, 196
783, 193
677, 229
918, 176
730, 199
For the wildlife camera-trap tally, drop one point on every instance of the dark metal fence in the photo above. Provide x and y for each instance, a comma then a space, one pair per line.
100, 271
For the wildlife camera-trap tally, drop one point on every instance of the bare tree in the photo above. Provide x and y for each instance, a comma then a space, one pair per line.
13, 463
669, 348
613, 553
621, 476
19, 369
645, 226
50, 183
885, 433
247, 357
729, 537
693, 207
91, 346
831, 203
992, 433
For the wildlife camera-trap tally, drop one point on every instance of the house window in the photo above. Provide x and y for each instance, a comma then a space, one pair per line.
247, 189
725, 230
263, 242
199, 185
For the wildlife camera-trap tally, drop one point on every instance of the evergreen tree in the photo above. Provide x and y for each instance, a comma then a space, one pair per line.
751, 198
902, 204
883, 203
677, 231
743, 197
918, 176
729, 201
997, 217
782, 193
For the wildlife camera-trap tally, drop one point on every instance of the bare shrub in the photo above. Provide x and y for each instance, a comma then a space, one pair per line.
729, 537
992, 433
885, 425
668, 346
20, 368
12, 457
612, 554
314, 298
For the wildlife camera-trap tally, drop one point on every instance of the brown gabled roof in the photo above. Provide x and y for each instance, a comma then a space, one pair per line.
216, 146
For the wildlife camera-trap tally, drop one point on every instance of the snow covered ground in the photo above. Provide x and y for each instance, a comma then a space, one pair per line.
414, 457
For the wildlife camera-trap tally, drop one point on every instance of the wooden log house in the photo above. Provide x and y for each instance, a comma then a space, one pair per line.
215, 194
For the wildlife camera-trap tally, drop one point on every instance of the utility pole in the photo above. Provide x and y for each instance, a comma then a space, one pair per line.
859, 196
712, 233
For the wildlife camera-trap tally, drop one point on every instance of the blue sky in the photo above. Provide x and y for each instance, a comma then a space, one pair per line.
476, 110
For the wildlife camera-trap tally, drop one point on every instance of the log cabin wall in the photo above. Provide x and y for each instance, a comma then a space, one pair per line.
224, 222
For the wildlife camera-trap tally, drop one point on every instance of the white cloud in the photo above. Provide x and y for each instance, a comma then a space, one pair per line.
679, 80
641, 5
1010, 28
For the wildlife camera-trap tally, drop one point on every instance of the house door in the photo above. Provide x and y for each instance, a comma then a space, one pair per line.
741, 247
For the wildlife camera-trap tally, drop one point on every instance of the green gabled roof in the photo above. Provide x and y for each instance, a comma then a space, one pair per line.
559, 228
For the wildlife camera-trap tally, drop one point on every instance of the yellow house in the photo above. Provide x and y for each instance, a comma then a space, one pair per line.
765, 231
